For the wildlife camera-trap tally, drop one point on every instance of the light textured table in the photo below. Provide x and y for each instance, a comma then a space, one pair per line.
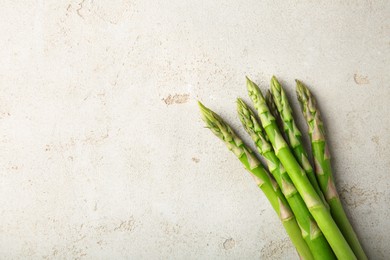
104, 156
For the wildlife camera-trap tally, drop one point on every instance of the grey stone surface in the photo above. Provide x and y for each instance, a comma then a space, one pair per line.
103, 153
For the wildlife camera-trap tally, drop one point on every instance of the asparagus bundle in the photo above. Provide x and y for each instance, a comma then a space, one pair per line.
313, 201
261, 177
298, 193
292, 133
310, 231
323, 168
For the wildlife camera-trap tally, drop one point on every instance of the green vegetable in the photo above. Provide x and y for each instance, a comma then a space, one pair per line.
274, 110
260, 175
298, 176
292, 133
310, 231
323, 167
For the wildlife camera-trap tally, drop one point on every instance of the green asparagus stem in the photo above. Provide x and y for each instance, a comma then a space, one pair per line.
260, 175
298, 176
292, 133
311, 233
323, 167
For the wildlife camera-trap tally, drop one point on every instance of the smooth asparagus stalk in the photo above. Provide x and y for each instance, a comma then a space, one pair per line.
323, 167
260, 175
292, 133
298, 176
311, 233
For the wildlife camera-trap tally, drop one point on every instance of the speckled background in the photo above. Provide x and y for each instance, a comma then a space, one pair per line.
103, 153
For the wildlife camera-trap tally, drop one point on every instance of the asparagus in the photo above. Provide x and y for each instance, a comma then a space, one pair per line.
274, 110
323, 167
271, 105
264, 181
310, 231
298, 176
292, 133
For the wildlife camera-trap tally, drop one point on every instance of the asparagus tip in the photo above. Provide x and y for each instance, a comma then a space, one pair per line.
275, 85
206, 113
253, 89
201, 105
302, 91
241, 107
248, 81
